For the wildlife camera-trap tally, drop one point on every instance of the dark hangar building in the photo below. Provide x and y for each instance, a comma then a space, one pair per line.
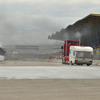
88, 27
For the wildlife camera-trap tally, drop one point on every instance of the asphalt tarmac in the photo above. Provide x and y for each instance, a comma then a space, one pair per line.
50, 89
49, 72
49, 82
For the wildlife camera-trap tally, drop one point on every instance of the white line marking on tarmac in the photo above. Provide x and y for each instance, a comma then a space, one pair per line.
48, 72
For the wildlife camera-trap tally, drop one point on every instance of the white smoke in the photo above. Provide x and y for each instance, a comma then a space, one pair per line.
65, 36
77, 35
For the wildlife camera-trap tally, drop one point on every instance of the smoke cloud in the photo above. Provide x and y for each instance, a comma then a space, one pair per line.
77, 35
29, 31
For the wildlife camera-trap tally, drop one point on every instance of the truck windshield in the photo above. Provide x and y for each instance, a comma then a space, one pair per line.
82, 54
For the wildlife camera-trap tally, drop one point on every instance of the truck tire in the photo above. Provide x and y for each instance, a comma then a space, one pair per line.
72, 63
88, 65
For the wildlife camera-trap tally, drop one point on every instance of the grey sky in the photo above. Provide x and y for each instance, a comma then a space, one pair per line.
31, 21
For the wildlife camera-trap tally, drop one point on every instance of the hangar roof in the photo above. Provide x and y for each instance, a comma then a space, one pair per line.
90, 17
72, 28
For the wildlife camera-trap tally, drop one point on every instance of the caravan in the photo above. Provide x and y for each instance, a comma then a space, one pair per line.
81, 55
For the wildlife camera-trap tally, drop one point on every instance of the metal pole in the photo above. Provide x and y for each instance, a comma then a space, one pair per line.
79, 42
66, 46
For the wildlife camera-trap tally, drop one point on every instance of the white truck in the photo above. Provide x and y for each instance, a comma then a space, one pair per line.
81, 55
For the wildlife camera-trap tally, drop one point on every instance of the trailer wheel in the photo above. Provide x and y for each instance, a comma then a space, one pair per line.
88, 65
72, 63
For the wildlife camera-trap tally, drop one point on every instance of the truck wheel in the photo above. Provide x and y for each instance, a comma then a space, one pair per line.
88, 65
72, 63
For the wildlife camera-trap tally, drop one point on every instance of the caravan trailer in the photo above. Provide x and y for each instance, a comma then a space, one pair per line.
81, 55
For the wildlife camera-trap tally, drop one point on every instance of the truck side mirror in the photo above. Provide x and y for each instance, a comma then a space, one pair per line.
61, 47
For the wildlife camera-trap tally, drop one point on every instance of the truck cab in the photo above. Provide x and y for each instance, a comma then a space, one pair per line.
65, 49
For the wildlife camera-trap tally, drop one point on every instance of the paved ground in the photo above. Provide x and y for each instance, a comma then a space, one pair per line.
52, 89
51, 81
50, 72
40, 62
31, 63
